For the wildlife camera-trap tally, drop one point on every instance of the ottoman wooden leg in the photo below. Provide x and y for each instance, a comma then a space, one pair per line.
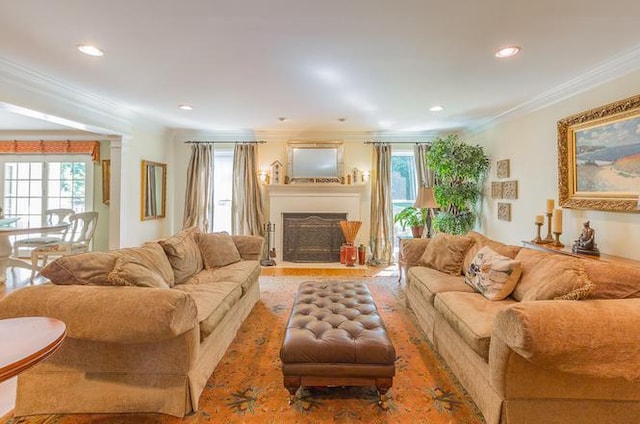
292, 384
383, 385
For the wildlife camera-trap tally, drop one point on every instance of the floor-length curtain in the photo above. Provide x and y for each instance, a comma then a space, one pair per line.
247, 216
199, 195
424, 174
381, 239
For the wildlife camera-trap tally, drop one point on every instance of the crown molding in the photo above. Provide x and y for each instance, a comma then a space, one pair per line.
97, 113
616, 67
182, 134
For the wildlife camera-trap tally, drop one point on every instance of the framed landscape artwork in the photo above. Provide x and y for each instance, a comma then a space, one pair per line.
599, 158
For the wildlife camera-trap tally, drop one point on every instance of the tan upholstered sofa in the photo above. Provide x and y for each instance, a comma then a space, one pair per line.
146, 326
527, 360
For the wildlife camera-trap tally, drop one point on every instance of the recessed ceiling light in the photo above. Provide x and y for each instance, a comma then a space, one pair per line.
436, 108
342, 119
282, 119
90, 50
186, 107
507, 52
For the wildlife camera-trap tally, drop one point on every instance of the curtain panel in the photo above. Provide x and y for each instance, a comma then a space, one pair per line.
424, 174
199, 195
381, 239
247, 215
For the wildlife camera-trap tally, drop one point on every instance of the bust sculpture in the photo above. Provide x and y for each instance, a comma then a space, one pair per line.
586, 243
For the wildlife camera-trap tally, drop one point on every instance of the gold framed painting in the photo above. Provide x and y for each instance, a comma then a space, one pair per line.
599, 158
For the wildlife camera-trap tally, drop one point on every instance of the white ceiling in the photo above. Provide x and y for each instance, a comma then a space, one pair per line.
244, 63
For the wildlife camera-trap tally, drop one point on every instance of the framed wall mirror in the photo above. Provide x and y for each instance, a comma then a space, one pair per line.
154, 190
315, 162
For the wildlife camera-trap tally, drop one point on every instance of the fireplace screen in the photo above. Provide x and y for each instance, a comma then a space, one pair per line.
312, 237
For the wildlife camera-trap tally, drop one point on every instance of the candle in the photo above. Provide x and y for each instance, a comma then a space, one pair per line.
539, 219
556, 223
550, 205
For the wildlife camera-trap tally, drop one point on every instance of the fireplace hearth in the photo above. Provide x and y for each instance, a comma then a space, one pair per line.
312, 237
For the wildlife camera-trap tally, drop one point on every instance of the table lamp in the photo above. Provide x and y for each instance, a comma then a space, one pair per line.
424, 201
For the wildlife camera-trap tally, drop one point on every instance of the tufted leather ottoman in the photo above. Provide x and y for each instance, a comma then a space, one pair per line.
335, 337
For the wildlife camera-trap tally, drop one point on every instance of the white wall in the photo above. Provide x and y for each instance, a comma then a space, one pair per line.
530, 142
142, 144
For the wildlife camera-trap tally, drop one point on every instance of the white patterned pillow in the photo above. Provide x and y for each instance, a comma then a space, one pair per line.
493, 275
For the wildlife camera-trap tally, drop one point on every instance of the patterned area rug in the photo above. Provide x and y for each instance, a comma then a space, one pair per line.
246, 387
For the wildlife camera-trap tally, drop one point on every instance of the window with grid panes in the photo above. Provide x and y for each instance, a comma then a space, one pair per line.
34, 184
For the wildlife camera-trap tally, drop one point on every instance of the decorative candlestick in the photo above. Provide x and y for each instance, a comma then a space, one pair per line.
538, 239
549, 237
556, 242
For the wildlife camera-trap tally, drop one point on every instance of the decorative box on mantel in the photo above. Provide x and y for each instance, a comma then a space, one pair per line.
309, 198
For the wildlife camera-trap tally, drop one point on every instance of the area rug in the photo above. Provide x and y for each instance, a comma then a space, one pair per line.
246, 386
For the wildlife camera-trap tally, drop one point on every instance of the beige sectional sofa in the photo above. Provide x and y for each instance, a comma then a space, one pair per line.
145, 326
535, 356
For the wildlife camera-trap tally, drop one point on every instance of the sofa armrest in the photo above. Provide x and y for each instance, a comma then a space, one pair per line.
598, 338
107, 314
412, 250
250, 247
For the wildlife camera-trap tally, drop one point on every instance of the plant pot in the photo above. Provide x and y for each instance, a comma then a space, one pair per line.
417, 232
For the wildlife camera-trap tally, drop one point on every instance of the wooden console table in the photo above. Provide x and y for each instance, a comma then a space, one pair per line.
567, 251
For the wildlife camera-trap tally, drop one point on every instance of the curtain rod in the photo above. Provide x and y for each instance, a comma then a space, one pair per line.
397, 142
220, 141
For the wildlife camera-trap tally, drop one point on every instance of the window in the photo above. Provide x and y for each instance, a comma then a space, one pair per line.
222, 189
403, 183
34, 184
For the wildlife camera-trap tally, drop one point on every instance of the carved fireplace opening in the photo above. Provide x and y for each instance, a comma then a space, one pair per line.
312, 237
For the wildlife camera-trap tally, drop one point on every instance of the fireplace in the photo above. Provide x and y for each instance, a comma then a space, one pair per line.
312, 237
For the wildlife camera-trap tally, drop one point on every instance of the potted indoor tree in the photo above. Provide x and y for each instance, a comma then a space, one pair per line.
412, 217
459, 169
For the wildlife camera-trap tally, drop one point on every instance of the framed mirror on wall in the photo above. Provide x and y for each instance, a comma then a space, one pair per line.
154, 190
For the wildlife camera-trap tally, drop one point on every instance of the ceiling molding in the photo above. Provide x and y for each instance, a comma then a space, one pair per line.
614, 68
106, 116
181, 135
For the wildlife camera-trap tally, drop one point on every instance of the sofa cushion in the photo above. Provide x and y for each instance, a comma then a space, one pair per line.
472, 316
146, 266
493, 275
445, 252
547, 276
480, 241
90, 269
430, 282
217, 249
243, 273
613, 281
213, 301
184, 254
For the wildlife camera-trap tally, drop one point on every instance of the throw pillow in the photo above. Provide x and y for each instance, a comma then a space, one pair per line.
445, 252
548, 276
184, 254
90, 268
130, 271
480, 241
492, 274
218, 249
145, 266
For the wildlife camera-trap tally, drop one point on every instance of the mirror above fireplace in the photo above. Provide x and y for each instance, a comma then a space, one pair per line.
315, 162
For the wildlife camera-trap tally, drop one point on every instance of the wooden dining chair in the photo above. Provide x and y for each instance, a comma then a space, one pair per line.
52, 217
76, 239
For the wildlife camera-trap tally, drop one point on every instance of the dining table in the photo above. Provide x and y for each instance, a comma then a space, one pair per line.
15, 228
